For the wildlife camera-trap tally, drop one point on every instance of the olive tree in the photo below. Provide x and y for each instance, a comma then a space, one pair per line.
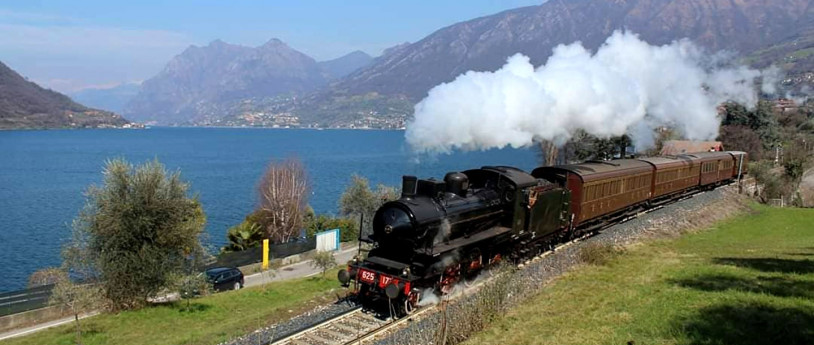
323, 260
76, 298
283, 192
45, 276
359, 200
137, 231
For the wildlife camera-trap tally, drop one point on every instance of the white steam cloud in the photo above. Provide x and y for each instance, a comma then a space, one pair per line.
626, 87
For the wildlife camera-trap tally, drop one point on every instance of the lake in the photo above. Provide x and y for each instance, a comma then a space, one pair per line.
43, 175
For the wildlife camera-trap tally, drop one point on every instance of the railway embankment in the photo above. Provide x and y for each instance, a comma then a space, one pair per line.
460, 318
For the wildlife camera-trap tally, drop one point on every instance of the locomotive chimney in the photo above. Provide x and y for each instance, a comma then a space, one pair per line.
409, 184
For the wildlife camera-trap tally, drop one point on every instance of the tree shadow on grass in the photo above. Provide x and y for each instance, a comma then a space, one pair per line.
777, 286
770, 264
749, 323
192, 307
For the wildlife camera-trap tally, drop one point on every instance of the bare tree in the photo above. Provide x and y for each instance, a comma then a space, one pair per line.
283, 192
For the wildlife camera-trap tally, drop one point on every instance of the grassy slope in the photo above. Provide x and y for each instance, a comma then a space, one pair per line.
212, 319
747, 281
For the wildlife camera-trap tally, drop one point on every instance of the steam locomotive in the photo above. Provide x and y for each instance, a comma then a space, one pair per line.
440, 232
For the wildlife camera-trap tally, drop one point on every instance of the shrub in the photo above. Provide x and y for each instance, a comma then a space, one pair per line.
348, 230
193, 285
77, 298
45, 276
243, 236
598, 254
323, 260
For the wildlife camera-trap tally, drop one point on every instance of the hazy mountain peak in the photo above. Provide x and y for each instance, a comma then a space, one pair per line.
274, 42
209, 82
345, 64
218, 42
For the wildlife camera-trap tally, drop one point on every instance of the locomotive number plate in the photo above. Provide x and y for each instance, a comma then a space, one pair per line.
384, 280
367, 276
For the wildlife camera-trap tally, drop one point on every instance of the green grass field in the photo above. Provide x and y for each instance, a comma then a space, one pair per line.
749, 280
210, 320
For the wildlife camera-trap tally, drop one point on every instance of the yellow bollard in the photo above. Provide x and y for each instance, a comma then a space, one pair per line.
265, 254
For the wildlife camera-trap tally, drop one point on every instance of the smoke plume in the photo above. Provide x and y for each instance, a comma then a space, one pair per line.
626, 87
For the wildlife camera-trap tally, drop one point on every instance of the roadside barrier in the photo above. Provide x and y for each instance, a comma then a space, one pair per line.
24, 300
255, 255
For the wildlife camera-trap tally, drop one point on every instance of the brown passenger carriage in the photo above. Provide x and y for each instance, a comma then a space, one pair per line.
601, 188
716, 167
673, 175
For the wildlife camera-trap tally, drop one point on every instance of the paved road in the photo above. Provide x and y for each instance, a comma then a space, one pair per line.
297, 270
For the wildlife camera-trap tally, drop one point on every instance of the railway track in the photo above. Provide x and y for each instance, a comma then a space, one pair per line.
356, 326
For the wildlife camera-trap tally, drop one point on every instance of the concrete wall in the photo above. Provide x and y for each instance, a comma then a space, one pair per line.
31, 317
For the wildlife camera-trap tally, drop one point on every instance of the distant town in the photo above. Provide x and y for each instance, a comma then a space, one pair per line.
372, 120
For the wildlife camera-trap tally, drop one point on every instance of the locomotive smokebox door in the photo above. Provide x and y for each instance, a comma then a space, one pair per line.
545, 207
392, 291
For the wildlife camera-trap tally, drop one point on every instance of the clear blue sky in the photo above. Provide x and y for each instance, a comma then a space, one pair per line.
69, 45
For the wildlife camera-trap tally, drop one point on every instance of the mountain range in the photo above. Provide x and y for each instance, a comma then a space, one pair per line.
763, 32
205, 84
26, 105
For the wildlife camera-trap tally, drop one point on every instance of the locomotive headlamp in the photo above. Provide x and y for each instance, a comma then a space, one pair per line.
405, 272
388, 229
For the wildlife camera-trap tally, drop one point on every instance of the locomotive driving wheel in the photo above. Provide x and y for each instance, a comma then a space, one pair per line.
449, 278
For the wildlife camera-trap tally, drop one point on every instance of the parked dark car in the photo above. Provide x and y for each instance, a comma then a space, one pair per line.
225, 278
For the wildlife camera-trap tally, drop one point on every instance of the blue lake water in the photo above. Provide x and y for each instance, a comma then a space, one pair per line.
43, 175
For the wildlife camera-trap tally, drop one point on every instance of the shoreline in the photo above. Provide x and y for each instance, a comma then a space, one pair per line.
201, 127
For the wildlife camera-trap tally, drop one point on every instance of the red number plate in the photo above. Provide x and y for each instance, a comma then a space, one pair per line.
384, 280
367, 276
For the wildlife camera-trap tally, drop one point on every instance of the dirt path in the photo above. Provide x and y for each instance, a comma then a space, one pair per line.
807, 188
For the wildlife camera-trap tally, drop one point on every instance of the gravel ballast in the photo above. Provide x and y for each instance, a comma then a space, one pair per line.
295, 324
